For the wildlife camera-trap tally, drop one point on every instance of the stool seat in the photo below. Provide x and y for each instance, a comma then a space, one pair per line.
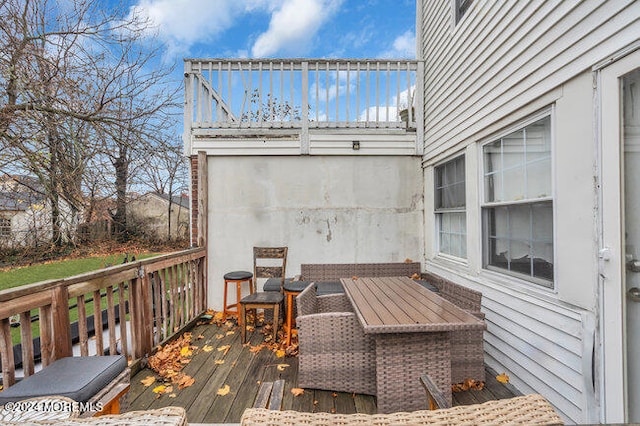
296, 286
238, 275
78, 378
262, 300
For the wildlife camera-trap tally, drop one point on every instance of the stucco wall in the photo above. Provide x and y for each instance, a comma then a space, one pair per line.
325, 209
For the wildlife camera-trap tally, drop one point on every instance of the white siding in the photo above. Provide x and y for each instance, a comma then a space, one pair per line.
503, 62
503, 55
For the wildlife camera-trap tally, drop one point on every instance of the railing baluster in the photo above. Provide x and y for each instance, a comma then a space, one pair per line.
111, 321
337, 120
6, 354
46, 341
97, 322
377, 92
387, 118
348, 98
82, 326
358, 92
366, 98
122, 310
26, 337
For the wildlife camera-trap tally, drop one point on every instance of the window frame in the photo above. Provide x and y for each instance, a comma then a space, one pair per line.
440, 211
460, 9
550, 199
5, 230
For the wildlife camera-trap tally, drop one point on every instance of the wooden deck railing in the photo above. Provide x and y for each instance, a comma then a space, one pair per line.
301, 93
145, 302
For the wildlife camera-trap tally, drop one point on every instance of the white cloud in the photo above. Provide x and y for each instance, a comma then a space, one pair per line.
404, 46
184, 22
293, 27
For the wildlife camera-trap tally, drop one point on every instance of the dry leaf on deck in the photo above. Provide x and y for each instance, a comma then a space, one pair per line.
173, 395
407, 260
186, 351
229, 333
148, 381
207, 348
219, 336
281, 367
297, 391
415, 276
225, 390
280, 353
159, 389
200, 337
184, 381
219, 361
502, 378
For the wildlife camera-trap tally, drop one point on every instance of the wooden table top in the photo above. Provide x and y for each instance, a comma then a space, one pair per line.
399, 304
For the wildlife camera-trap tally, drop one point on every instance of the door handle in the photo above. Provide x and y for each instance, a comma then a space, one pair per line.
634, 294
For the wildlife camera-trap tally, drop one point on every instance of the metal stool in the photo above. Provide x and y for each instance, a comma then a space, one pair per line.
237, 277
262, 300
291, 290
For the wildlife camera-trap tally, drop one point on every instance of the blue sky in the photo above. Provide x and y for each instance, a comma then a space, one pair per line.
283, 28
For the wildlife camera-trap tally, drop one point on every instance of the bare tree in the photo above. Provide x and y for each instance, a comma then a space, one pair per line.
76, 81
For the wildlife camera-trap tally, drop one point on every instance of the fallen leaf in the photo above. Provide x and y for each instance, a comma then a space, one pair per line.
148, 381
173, 395
280, 353
502, 378
281, 367
224, 348
354, 278
186, 351
219, 336
229, 333
415, 276
184, 381
207, 348
407, 260
224, 390
159, 389
335, 395
200, 337
297, 391
219, 361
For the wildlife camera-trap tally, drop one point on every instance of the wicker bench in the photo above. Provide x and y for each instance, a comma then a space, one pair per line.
167, 416
526, 410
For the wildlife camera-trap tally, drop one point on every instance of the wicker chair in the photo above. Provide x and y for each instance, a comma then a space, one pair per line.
467, 347
335, 354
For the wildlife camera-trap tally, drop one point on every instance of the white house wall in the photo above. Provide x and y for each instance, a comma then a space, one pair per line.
502, 63
326, 209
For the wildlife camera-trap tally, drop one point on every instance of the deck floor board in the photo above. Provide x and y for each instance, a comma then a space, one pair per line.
244, 370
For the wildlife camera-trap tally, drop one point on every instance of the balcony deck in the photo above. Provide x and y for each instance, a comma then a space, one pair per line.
243, 370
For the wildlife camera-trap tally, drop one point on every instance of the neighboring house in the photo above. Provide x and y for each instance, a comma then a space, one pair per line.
149, 214
518, 179
532, 120
25, 213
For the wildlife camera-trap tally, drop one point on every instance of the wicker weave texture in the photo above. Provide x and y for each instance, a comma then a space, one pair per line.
401, 358
335, 271
335, 354
168, 416
524, 410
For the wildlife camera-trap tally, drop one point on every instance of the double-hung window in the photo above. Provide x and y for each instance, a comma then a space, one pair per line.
517, 209
450, 203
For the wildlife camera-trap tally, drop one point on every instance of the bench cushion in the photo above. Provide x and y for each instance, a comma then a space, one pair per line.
78, 378
426, 284
329, 287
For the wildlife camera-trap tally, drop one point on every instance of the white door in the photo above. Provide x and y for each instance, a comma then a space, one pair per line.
620, 145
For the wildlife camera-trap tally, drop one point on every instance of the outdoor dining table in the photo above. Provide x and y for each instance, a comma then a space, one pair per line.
411, 326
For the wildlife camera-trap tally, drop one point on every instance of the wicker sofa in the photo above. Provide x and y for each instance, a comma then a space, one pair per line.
335, 354
524, 410
467, 347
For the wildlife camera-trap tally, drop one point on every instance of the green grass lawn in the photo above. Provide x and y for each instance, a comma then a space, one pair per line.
60, 269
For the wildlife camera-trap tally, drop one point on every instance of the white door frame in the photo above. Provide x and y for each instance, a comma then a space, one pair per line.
609, 140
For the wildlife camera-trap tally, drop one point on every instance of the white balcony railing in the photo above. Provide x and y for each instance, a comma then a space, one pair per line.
301, 94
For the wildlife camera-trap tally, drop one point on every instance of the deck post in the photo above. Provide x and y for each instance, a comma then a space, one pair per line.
304, 132
61, 323
202, 198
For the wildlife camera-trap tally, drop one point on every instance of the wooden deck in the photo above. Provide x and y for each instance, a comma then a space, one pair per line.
243, 371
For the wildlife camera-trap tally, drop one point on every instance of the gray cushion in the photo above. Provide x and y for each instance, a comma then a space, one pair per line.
328, 287
238, 275
428, 285
296, 285
272, 284
78, 378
